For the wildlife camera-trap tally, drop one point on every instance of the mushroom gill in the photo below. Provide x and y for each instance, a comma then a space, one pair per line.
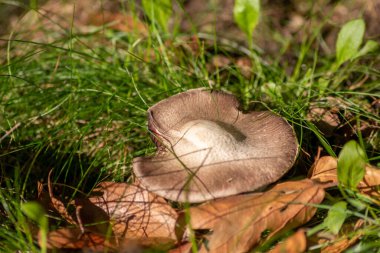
209, 149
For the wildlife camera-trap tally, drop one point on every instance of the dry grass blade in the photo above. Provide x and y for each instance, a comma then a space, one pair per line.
238, 222
295, 243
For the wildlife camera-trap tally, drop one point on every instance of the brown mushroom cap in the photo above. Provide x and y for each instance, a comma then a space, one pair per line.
209, 149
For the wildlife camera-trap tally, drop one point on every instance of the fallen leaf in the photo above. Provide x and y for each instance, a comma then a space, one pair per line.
57, 204
324, 171
92, 218
348, 236
123, 22
295, 243
184, 248
341, 244
326, 120
73, 238
326, 114
238, 222
220, 61
134, 212
244, 64
128, 215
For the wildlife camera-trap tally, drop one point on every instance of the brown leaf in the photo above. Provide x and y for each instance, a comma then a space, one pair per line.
58, 205
341, 244
295, 243
220, 61
326, 120
123, 22
184, 248
72, 238
324, 171
134, 212
91, 217
239, 221
244, 64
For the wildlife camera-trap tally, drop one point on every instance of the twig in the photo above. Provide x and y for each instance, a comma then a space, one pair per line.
7, 133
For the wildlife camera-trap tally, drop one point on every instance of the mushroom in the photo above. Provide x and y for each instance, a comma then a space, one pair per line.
208, 148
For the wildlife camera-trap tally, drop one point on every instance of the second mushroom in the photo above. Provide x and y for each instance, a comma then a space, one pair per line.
208, 148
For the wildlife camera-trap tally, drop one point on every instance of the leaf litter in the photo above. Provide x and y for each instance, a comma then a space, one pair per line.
238, 222
115, 215
324, 171
295, 243
121, 215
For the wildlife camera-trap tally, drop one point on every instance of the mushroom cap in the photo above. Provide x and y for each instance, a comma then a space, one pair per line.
209, 149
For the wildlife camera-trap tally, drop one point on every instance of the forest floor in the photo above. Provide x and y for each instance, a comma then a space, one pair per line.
77, 80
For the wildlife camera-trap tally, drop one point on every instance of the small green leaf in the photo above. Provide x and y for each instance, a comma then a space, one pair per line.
271, 90
246, 15
350, 38
369, 47
35, 212
336, 216
323, 83
351, 165
158, 11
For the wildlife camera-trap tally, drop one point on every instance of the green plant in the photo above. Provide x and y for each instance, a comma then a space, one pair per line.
351, 165
35, 212
350, 38
246, 15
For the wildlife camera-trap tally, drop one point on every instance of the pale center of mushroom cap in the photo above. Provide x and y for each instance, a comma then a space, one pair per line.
209, 142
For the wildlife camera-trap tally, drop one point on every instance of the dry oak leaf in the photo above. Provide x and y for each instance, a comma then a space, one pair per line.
134, 212
129, 212
295, 243
74, 239
238, 221
324, 171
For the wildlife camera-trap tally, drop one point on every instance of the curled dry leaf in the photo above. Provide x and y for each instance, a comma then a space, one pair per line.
239, 221
324, 171
295, 243
342, 244
57, 204
134, 212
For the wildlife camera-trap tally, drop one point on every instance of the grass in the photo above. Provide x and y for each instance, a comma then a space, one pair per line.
79, 104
